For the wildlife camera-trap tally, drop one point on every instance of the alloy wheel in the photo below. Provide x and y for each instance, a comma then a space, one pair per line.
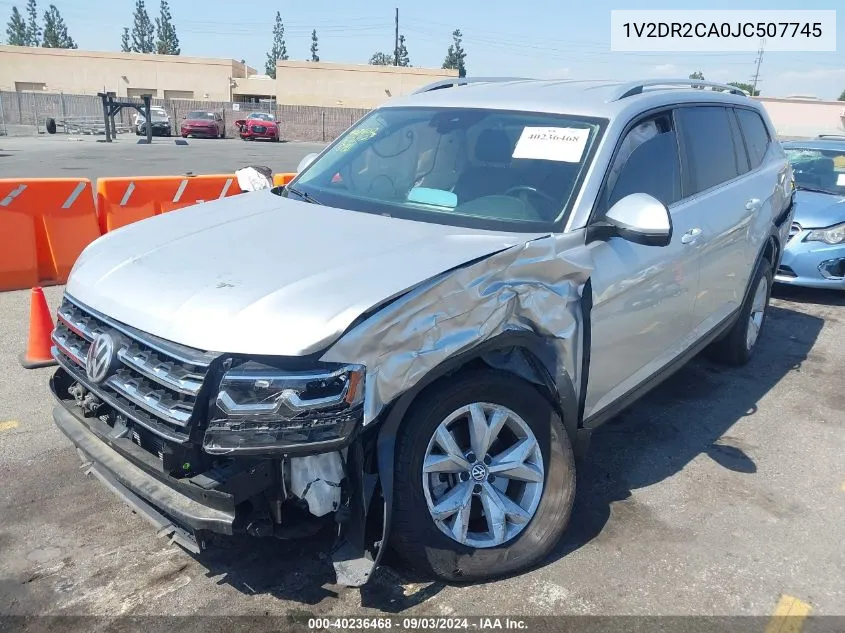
483, 475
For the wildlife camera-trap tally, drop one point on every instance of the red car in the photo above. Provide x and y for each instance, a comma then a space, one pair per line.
203, 123
258, 125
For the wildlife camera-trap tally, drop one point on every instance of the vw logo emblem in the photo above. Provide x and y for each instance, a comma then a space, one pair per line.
100, 357
478, 472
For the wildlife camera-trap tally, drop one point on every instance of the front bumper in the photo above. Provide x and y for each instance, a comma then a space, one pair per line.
188, 510
199, 131
158, 130
250, 133
164, 503
812, 264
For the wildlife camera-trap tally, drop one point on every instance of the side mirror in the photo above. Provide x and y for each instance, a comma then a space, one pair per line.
639, 218
306, 161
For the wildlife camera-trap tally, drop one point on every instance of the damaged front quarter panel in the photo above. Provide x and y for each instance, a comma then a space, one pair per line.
534, 289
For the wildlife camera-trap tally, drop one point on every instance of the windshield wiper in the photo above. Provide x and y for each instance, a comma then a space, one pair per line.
307, 197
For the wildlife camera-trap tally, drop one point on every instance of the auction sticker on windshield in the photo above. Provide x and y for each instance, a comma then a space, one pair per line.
563, 144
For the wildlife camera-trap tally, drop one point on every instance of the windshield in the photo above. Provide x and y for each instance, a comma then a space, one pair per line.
821, 169
263, 116
201, 115
155, 115
491, 169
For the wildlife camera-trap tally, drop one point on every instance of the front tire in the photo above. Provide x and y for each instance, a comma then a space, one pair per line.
738, 345
462, 516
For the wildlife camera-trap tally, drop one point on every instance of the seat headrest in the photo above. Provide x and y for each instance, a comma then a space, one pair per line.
493, 146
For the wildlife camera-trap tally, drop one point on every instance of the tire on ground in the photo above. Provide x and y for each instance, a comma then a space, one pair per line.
414, 535
731, 349
50, 124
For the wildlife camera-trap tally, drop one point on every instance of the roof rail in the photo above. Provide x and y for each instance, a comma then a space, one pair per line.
463, 81
636, 87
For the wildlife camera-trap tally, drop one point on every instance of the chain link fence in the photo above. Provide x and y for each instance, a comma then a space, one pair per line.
26, 114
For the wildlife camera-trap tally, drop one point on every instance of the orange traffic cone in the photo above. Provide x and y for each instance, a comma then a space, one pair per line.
40, 328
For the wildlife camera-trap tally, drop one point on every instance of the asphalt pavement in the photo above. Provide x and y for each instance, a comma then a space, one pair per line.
86, 157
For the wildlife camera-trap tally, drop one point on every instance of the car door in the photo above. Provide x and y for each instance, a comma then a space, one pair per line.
642, 295
723, 199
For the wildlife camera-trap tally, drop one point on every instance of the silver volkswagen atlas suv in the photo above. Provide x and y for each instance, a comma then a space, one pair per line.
411, 342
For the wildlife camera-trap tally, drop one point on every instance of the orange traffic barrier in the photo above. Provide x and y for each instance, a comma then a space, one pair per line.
40, 329
121, 201
44, 225
282, 179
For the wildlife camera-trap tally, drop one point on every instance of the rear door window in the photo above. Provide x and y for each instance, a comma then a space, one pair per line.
756, 135
707, 146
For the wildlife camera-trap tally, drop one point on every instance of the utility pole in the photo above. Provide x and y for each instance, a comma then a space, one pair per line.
396, 41
757, 72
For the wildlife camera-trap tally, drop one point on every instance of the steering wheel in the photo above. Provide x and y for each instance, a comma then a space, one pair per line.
523, 191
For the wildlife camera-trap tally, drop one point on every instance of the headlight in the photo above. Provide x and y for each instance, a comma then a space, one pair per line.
831, 235
260, 409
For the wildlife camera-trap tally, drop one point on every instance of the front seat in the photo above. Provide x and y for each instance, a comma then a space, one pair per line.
493, 176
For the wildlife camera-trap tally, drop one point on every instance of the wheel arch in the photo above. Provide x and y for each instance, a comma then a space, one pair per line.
517, 346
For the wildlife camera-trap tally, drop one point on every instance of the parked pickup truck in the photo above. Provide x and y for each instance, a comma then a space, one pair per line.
411, 342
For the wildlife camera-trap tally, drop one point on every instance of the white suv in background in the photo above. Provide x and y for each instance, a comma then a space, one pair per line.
416, 336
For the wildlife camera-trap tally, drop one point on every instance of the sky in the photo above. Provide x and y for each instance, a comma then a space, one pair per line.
528, 38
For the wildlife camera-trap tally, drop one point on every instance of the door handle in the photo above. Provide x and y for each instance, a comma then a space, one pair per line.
753, 204
690, 236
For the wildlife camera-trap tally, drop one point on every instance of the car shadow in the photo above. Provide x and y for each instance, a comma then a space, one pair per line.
301, 571
296, 570
688, 415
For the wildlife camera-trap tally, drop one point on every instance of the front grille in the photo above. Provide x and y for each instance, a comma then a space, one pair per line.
154, 382
260, 129
794, 230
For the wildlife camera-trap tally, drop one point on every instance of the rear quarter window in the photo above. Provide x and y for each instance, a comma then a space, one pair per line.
756, 135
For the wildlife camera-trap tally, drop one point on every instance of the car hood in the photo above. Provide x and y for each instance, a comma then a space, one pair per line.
195, 121
261, 274
818, 210
260, 122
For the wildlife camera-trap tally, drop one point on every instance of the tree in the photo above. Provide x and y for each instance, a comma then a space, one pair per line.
381, 59
167, 43
402, 58
142, 30
279, 50
697, 75
842, 96
55, 30
16, 29
33, 31
125, 46
455, 55
744, 86
314, 56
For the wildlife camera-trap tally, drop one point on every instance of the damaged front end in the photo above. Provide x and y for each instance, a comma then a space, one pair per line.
202, 444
